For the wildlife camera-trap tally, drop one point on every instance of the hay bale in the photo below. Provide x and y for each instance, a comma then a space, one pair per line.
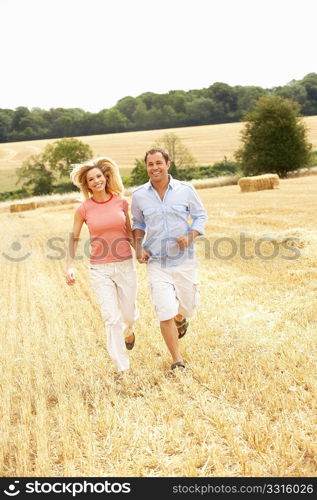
20, 207
258, 182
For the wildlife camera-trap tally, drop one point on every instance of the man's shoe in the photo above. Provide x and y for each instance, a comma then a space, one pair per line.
179, 365
181, 327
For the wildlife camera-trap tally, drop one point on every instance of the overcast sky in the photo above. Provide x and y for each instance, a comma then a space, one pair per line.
91, 53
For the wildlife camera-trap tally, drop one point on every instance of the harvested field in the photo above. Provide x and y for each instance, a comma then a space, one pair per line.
247, 404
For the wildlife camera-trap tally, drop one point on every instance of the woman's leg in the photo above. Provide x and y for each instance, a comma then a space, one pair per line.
126, 283
102, 279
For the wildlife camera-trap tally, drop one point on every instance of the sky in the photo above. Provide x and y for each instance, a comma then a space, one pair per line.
90, 53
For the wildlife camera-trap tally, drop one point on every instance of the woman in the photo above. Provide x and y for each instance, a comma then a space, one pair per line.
112, 272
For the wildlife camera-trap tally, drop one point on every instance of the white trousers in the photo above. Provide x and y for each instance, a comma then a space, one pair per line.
174, 290
115, 287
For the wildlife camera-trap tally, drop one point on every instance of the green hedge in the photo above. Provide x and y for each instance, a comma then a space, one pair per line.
62, 187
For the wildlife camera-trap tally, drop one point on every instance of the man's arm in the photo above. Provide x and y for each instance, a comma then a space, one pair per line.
199, 217
141, 254
197, 212
186, 240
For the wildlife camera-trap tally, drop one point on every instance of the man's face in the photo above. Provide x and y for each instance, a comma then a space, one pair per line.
157, 167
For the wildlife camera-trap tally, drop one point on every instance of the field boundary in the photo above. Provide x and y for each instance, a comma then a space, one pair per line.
75, 197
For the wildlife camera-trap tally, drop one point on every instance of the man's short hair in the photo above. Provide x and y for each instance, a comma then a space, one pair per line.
152, 151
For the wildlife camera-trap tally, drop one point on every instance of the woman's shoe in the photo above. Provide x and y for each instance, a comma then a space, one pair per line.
119, 377
130, 345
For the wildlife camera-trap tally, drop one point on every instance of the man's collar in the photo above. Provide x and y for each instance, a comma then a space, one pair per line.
171, 183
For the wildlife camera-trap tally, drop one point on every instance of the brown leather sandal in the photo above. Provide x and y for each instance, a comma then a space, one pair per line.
178, 364
181, 327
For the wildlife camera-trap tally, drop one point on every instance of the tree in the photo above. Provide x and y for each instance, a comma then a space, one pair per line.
246, 98
39, 172
179, 154
113, 120
4, 126
293, 91
139, 116
127, 106
62, 153
139, 173
62, 126
225, 99
17, 122
177, 99
181, 160
200, 111
274, 139
309, 83
35, 176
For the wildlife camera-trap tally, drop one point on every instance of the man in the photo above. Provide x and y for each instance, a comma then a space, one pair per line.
161, 209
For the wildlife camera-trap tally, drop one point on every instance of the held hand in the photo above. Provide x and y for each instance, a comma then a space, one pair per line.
143, 256
184, 241
70, 276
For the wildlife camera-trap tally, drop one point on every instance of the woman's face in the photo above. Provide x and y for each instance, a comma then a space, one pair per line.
96, 181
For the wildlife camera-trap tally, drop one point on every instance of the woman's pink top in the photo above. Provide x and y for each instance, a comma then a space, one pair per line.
106, 222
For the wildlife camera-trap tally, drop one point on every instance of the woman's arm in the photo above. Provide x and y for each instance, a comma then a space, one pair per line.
129, 230
72, 247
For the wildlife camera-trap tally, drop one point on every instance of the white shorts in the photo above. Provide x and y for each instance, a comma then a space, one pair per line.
173, 289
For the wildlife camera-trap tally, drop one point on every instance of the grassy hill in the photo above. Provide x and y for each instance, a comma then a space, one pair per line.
208, 143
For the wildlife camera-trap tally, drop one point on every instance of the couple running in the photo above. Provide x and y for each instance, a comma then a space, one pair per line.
160, 210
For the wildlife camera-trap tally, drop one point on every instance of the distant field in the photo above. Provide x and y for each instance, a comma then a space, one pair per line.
8, 179
208, 143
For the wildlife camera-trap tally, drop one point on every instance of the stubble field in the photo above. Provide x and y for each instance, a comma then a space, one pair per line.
246, 405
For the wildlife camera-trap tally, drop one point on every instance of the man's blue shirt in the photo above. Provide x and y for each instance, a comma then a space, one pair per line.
165, 220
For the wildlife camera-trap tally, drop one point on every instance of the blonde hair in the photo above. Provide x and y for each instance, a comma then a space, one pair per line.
109, 169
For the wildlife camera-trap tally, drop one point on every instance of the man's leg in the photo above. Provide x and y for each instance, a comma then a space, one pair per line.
170, 335
166, 305
186, 287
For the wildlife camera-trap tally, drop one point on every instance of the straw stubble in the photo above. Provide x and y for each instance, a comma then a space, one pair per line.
245, 407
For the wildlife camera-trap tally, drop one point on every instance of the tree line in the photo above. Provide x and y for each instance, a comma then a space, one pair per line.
219, 103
